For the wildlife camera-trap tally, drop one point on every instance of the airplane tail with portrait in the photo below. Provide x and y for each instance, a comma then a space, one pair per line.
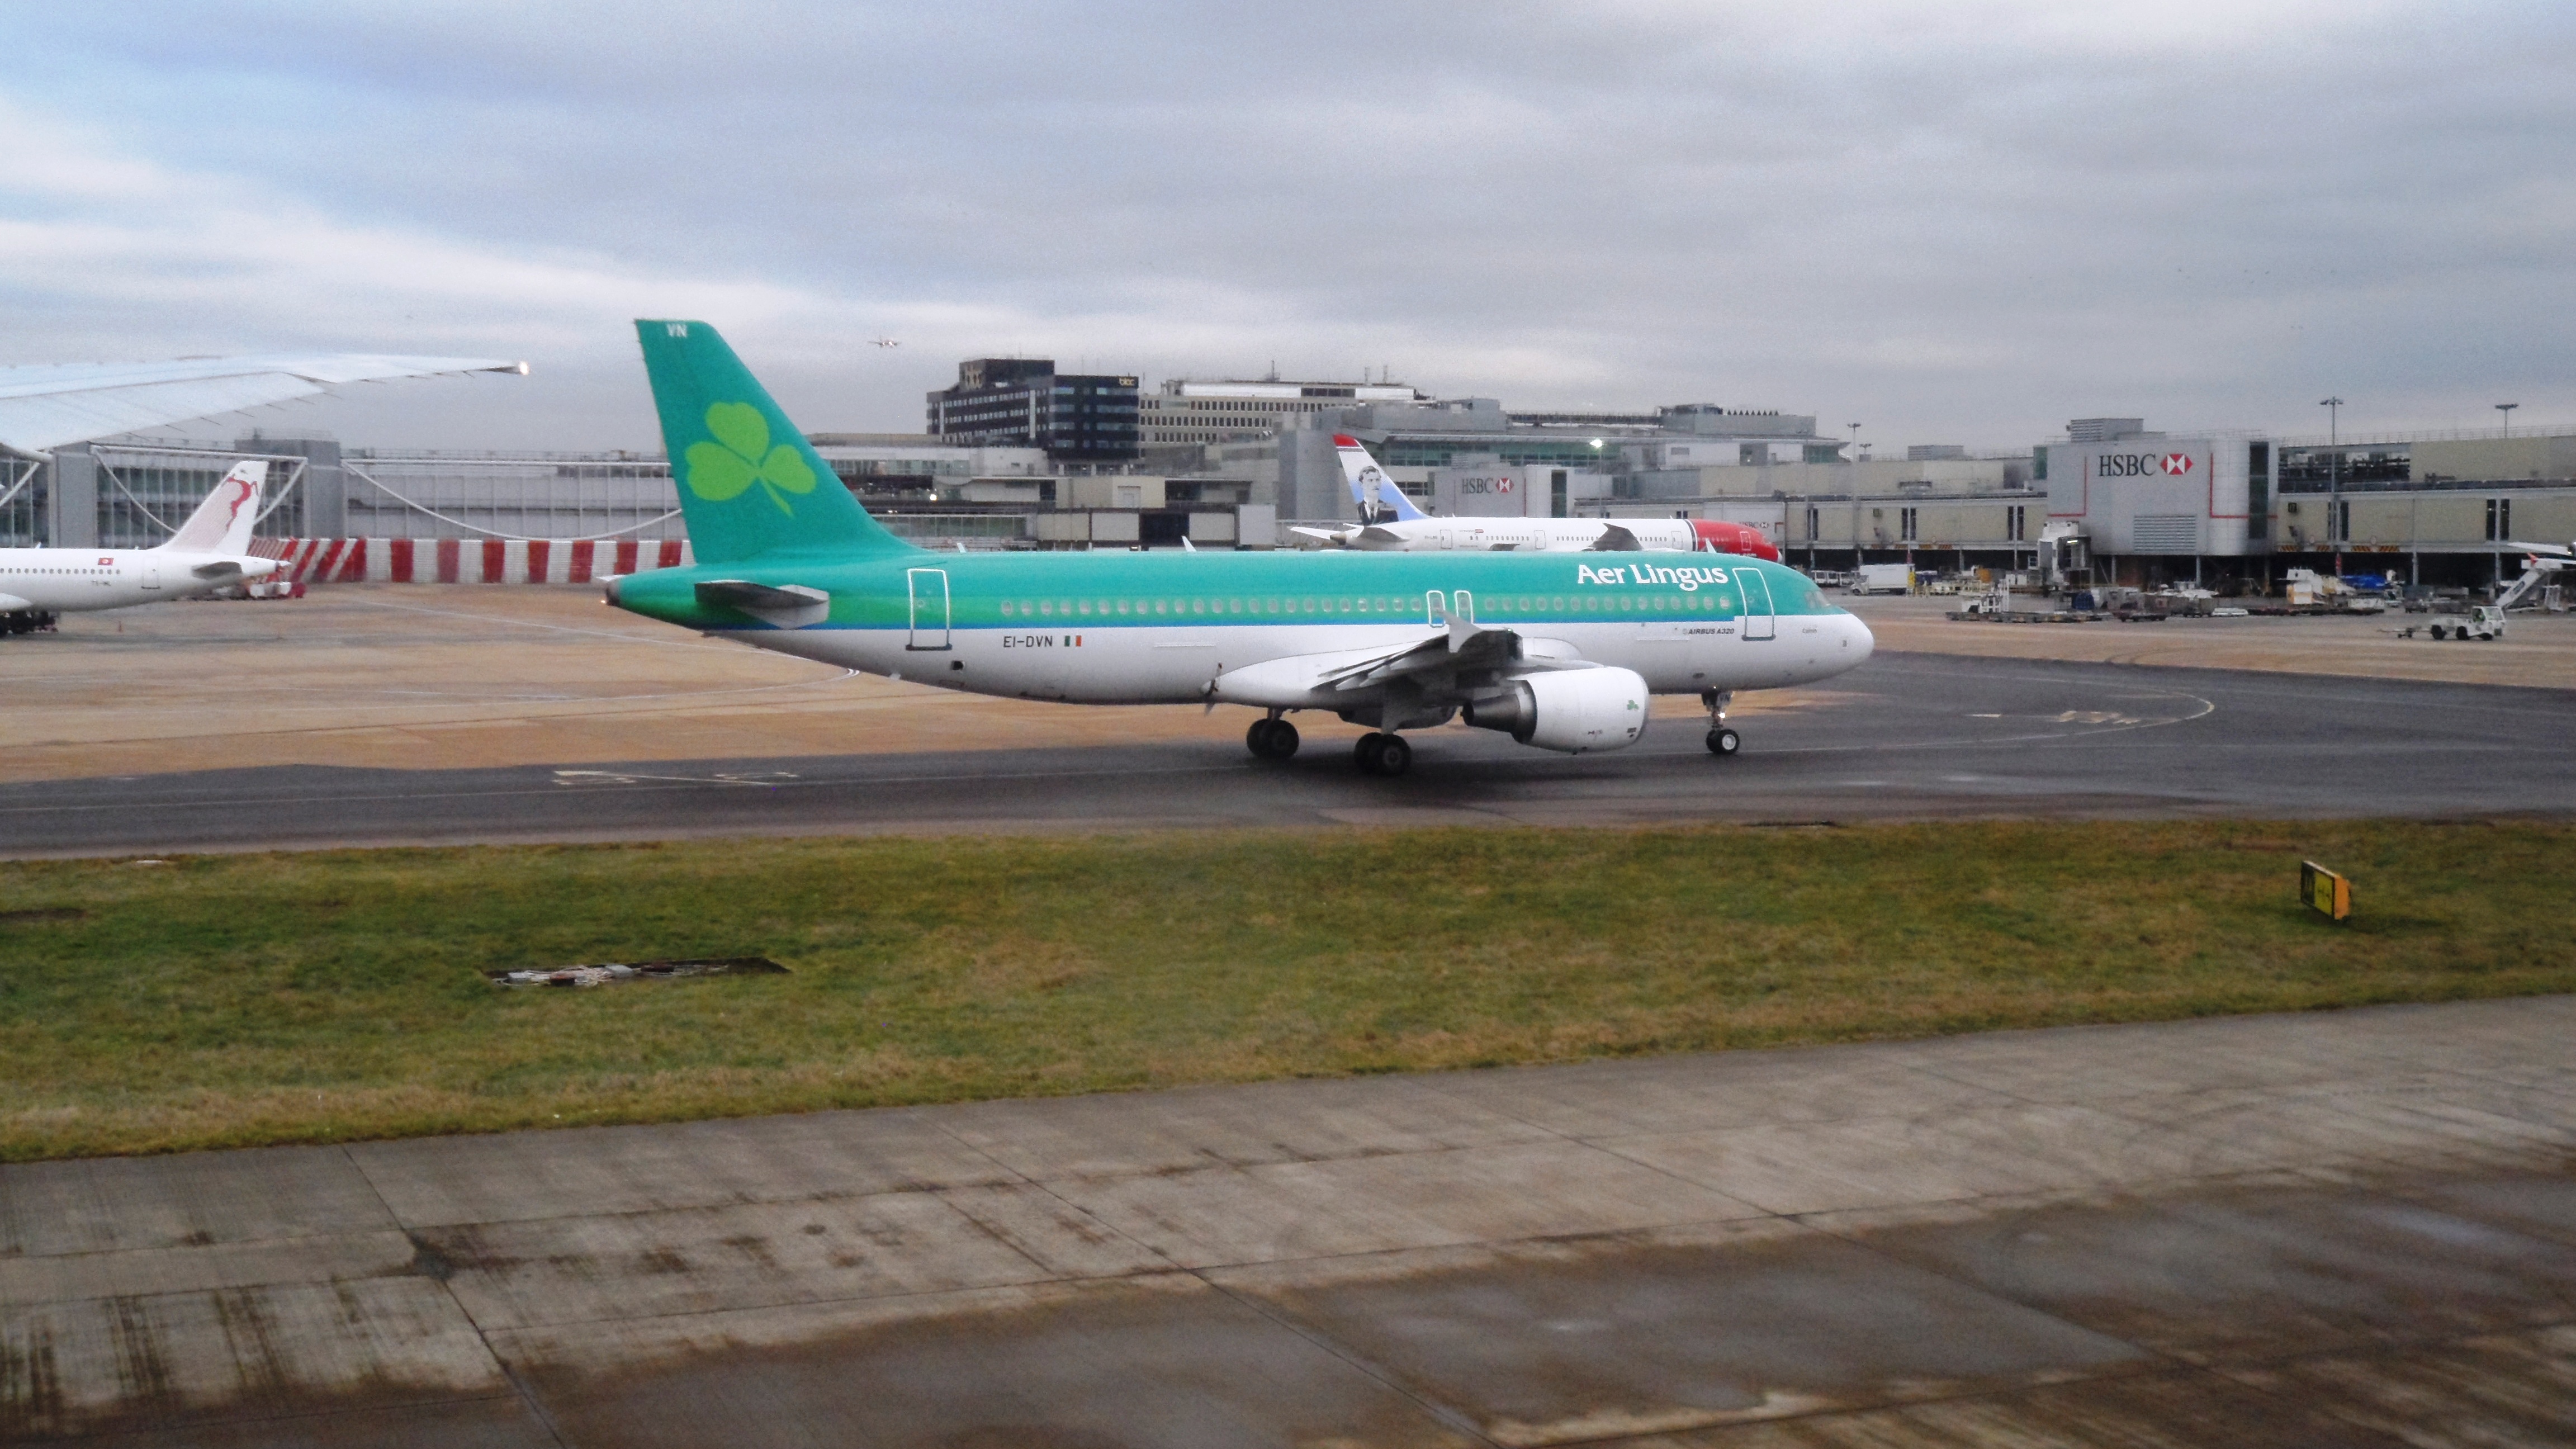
1379, 500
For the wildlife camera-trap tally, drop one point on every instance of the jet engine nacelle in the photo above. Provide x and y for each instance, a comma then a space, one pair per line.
1575, 711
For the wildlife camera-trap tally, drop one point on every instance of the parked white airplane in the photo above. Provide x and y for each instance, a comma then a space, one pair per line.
210, 551
1390, 522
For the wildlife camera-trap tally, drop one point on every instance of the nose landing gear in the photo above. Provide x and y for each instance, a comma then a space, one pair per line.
1271, 738
1382, 754
1722, 742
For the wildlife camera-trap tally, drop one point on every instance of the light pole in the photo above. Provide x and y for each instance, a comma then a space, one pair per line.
2507, 410
2334, 481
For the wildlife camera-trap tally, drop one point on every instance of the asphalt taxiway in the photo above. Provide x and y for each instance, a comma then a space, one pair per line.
2353, 1228
1904, 736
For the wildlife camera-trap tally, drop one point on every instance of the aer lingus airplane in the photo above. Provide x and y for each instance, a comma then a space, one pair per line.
1558, 650
1389, 520
210, 551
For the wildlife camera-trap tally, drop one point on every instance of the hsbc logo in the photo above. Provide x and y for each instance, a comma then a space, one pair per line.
1484, 485
2141, 465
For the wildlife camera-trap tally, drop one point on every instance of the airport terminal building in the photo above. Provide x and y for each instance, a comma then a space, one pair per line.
1021, 463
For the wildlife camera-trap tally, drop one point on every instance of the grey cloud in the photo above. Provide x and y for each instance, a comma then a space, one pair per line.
1962, 224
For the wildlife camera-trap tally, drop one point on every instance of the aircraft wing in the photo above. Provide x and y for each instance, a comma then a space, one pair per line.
1615, 539
1431, 665
11, 604
46, 407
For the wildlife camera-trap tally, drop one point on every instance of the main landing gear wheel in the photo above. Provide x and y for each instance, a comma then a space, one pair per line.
1271, 739
1386, 755
1724, 743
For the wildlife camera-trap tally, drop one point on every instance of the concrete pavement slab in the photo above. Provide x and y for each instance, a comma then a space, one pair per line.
1168, 1365
2173, 1410
511, 1176
1111, 1136
2498, 1389
2237, 1276
1567, 1347
2542, 1205
61, 1277
1728, 1089
496, 1423
1366, 1205
240, 1354
697, 1260
192, 1199
2334, 1228
1816, 1167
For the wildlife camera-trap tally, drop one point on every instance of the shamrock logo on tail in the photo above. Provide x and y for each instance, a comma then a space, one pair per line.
741, 456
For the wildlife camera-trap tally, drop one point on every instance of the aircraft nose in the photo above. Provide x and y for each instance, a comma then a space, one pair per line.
1859, 642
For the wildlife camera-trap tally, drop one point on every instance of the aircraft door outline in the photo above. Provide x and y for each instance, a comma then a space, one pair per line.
928, 592
1759, 621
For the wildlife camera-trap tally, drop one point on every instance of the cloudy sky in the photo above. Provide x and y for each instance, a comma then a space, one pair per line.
1948, 222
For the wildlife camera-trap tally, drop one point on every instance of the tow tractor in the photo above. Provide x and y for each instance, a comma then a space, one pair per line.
2485, 621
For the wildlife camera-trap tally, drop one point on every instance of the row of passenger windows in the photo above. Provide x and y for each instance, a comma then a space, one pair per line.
1520, 604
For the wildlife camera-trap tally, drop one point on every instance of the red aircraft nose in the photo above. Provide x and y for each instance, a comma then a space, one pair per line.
1719, 536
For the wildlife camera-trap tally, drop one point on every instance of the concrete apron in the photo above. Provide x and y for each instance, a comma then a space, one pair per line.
2356, 1227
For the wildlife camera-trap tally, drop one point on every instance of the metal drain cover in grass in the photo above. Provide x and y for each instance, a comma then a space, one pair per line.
611, 973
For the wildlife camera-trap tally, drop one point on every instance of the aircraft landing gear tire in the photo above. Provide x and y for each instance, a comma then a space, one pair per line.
1382, 754
1724, 743
1271, 739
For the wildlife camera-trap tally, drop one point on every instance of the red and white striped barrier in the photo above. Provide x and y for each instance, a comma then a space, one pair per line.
466, 560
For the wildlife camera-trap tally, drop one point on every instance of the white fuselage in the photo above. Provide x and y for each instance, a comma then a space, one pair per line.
1186, 662
74, 580
1521, 535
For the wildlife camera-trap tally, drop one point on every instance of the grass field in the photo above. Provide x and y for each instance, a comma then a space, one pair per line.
231, 1000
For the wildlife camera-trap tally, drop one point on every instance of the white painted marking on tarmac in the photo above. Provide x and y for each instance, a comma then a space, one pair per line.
765, 779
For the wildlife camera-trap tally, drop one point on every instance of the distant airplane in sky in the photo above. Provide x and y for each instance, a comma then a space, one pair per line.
887, 342
1557, 650
210, 551
44, 407
1390, 522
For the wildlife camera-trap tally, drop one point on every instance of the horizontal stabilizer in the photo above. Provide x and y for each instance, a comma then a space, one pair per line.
790, 606
222, 568
1328, 535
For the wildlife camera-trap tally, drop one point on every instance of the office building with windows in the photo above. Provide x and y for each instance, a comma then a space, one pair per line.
1024, 402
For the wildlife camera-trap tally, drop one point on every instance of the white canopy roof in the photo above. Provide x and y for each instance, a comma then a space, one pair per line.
45, 407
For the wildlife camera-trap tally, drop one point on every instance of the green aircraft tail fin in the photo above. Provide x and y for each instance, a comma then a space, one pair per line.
749, 482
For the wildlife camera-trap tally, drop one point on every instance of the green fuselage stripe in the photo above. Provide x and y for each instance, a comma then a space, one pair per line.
1167, 590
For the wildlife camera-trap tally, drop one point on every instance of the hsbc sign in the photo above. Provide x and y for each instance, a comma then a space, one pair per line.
2141, 465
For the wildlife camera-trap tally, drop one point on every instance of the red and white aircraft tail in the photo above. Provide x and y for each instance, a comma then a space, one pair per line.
222, 524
